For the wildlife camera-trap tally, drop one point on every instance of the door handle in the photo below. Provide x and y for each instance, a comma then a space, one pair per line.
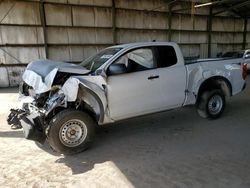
153, 77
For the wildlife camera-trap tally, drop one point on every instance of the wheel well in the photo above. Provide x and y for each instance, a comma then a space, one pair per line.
86, 101
85, 107
89, 102
216, 82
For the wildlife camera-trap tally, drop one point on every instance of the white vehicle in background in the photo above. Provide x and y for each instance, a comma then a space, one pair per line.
245, 54
63, 102
247, 59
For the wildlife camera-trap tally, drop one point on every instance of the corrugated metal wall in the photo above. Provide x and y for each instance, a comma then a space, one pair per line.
71, 30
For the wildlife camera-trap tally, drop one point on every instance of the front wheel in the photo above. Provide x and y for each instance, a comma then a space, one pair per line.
211, 104
71, 131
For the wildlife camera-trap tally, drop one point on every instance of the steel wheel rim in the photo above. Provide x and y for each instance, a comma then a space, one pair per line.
73, 133
215, 104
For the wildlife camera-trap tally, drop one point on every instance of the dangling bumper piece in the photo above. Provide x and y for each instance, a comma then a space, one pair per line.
31, 124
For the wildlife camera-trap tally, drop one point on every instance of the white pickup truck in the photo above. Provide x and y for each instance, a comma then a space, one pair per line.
63, 102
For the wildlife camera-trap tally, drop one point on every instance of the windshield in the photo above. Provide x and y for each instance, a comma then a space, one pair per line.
94, 62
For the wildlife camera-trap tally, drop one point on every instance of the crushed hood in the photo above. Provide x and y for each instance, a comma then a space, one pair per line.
40, 74
44, 67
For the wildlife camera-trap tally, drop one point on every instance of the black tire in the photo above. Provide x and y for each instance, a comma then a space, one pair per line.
71, 132
47, 148
211, 104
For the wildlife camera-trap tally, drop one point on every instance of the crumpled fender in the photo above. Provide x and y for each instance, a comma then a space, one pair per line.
93, 85
204, 74
199, 74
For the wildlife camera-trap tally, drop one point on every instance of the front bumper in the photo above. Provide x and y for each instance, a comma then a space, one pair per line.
31, 124
33, 118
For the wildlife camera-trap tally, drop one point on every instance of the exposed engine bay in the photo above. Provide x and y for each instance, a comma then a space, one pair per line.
36, 110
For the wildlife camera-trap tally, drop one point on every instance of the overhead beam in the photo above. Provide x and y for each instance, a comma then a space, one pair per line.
232, 8
211, 3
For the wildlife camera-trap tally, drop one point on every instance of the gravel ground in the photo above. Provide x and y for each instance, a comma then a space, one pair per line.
171, 149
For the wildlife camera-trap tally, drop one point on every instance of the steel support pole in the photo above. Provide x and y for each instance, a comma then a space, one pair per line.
209, 31
114, 22
169, 22
244, 34
43, 22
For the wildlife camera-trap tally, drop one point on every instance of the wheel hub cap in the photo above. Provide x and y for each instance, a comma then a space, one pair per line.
215, 104
73, 133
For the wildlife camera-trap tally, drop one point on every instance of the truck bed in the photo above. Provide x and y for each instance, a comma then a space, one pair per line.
192, 61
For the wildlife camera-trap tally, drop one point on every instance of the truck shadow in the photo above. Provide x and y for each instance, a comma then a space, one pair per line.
151, 147
128, 140
9, 90
11, 134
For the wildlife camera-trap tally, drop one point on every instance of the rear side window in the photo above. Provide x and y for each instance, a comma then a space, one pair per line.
140, 59
166, 56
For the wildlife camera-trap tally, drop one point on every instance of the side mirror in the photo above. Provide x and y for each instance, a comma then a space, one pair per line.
115, 69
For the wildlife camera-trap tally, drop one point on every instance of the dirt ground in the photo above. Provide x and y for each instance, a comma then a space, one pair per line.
170, 149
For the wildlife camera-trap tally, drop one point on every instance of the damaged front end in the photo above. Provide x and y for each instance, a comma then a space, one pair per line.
49, 88
35, 111
40, 95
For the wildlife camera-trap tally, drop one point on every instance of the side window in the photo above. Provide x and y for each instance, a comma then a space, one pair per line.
137, 60
166, 56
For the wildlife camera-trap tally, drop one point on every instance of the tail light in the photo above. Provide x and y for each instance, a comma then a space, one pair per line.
244, 71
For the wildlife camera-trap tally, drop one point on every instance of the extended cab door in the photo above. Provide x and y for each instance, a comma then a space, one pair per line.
135, 92
172, 76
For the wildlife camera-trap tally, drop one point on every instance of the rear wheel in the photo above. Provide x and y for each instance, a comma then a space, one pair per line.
71, 131
211, 104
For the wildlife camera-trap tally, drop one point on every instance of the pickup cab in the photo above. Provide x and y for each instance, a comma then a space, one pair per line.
62, 102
